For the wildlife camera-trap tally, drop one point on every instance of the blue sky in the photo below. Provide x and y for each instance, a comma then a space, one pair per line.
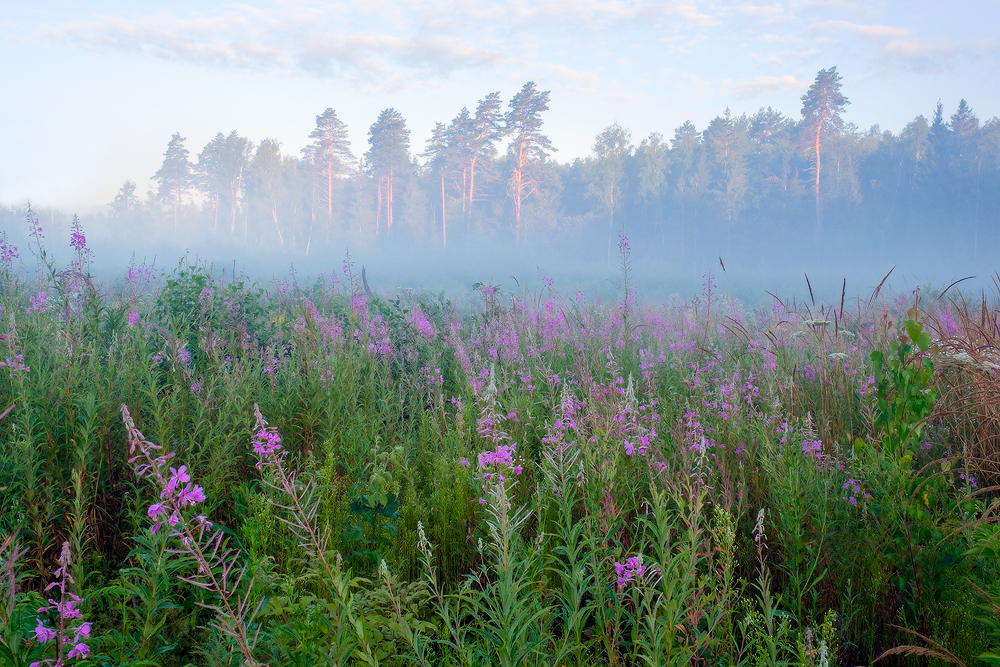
92, 91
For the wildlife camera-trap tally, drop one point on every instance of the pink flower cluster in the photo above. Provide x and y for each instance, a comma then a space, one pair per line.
8, 252
813, 448
633, 568
67, 610
39, 304
418, 320
853, 488
177, 496
631, 449
176, 489
502, 460
503, 456
265, 443
16, 365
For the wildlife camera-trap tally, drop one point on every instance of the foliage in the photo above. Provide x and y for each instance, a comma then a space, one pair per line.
534, 480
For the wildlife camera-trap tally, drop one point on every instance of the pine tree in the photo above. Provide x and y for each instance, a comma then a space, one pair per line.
329, 157
208, 173
388, 156
487, 129
174, 176
439, 154
126, 201
773, 181
528, 146
221, 171
460, 136
821, 108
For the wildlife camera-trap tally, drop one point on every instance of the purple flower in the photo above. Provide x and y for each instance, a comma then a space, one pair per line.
191, 495
39, 304
629, 448
133, 319
79, 651
464, 462
82, 631
178, 477
266, 442
633, 567
155, 510
68, 610
43, 634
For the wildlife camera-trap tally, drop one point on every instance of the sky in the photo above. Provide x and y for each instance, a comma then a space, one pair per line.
92, 91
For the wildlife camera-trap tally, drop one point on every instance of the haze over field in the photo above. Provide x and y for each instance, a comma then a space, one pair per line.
446, 144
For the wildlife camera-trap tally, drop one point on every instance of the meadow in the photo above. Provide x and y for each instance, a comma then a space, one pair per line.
196, 470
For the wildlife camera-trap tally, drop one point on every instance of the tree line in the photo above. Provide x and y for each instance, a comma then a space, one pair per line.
490, 173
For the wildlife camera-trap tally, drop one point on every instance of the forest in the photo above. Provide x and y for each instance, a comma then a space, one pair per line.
739, 185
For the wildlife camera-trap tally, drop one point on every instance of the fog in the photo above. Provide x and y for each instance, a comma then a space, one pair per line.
761, 200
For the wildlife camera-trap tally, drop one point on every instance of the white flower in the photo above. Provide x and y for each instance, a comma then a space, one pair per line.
758, 529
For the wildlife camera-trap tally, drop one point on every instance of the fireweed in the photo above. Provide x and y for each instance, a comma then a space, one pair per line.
300, 514
70, 627
561, 367
218, 569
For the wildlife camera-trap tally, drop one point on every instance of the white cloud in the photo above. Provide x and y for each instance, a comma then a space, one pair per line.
872, 31
376, 43
770, 84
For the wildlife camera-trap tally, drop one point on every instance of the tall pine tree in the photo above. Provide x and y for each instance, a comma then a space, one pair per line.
821, 108
528, 146
174, 176
329, 157
388, 157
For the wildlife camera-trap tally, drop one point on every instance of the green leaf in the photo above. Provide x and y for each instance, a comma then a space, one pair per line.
352, 533
913, 330
390, 510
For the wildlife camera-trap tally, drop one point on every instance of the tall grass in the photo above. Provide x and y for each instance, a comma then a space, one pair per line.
528, 480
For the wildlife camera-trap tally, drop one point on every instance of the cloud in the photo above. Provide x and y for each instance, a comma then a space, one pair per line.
921, 56
376, 44
899, 47
871, 31
765, 14
243, 41
770, 85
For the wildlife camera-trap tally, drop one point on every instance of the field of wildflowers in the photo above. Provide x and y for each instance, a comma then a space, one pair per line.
198, 471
